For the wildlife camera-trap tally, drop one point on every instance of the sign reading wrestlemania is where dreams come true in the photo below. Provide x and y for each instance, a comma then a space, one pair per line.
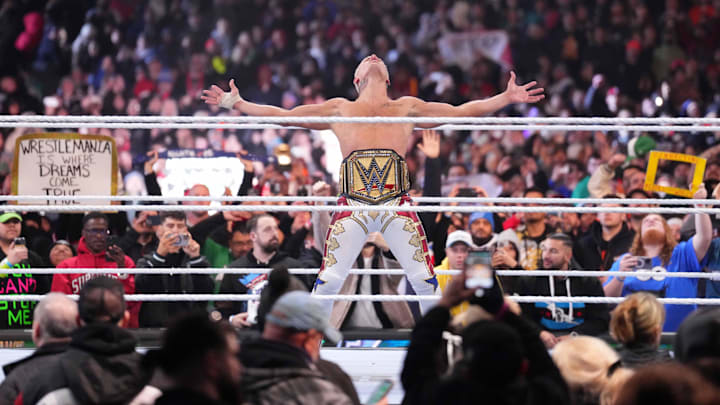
64, 164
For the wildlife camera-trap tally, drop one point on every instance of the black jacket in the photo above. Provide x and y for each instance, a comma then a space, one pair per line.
18, 374
157, 314
19, 314
180, 396
236, 283
586, 319
277, 373
593, 253
134, 250
640, 355
101, 366
423, 384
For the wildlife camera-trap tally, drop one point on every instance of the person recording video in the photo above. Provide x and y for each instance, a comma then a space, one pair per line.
175, 249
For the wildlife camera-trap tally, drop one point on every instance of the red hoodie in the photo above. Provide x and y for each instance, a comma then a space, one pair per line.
73, 283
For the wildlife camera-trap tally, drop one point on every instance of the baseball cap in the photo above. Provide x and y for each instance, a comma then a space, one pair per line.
640, 146
459, 236
300, 310
6, 216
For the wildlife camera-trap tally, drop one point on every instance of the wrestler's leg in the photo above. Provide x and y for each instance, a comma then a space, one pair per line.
344, 240
405, 236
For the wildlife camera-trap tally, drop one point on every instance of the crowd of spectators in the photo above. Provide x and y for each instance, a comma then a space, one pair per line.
143, 57
154, 57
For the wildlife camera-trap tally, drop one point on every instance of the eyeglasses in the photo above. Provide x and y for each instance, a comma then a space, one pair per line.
97, 231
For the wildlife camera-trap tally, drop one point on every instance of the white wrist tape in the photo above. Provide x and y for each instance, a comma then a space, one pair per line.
228, 100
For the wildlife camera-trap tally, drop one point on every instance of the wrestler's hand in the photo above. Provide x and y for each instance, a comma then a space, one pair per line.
216, 96
524, 93
430, 145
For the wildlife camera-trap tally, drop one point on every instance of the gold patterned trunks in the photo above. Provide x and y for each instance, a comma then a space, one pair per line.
373, 176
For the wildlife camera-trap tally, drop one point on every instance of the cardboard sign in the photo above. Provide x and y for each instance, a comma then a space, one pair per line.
650, 174
65, 164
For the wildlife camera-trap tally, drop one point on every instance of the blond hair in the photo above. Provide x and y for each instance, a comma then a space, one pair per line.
584, 362
617, 380
638, 319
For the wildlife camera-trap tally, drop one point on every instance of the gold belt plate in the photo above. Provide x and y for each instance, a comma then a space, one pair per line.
374, 176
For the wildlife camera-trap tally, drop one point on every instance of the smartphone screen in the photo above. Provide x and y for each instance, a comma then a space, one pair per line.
380, 392
478, 269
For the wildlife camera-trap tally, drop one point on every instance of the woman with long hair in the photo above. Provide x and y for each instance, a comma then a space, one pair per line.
655, 250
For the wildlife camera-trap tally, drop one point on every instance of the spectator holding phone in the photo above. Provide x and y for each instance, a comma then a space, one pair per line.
653, 250
97, 250
13, 251
175, 249
14, 255
503, 360
140, 238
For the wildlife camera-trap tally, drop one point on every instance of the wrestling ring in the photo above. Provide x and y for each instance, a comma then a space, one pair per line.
367, 356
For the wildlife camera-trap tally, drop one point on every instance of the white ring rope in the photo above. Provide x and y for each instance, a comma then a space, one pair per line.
457, 127
464, 200
357, 208
362, 120
389, 272
373, 298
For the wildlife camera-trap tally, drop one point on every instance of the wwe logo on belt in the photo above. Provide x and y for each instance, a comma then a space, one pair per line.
373, 176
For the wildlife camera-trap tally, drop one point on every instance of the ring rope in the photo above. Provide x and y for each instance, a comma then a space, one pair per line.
457, 127
475, 200
373, 298
359, 208
361, 120
389, 272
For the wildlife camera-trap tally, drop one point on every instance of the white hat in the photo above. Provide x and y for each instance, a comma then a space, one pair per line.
459, 236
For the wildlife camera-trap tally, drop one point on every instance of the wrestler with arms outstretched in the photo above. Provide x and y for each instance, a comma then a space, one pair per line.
374, 170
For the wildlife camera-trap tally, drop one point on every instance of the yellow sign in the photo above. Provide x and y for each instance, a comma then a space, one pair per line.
650, 174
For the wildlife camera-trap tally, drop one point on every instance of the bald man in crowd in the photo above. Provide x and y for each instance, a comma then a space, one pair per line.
55, 318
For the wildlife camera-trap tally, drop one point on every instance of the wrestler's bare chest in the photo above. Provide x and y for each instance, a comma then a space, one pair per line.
373, 136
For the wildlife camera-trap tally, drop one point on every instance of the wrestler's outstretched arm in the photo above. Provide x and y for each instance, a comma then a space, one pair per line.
513, 94
232, 100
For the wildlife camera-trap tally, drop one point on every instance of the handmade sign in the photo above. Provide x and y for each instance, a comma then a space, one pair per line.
650, 174
65, 164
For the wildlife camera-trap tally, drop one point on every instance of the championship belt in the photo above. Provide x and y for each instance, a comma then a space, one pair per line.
373, 175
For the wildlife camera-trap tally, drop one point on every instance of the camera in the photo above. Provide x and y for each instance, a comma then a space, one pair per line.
153, 220
478, 269
643, 263
182, 240
467, 192
19, 241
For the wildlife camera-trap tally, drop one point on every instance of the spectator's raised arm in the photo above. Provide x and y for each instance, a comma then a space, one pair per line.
703, 227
